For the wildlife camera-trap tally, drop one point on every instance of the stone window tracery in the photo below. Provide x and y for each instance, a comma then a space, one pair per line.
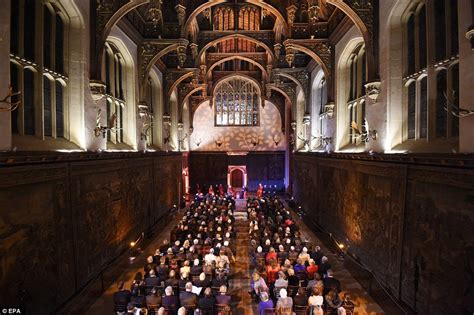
441, 38
41, 77
237, 103
356, 100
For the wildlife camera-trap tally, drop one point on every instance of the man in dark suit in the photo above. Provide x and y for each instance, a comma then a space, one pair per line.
222, 298
170, 301
331, 283
206, 303
121, 298
152, 280
188, 298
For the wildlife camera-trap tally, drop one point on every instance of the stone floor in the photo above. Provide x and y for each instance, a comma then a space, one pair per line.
125, 269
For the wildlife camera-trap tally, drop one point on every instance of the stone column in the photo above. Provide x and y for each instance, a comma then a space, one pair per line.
466, 75
5, 117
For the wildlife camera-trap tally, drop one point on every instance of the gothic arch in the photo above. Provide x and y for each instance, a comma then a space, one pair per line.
366, 34
265, 74
232, 36
279, 17
105, 22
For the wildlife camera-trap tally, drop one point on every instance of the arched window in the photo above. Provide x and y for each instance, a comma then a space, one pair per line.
418, 100
356, 96
114, 79
224, 21
43, 98
236, 102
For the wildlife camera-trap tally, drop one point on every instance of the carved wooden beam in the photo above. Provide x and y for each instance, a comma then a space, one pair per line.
107, 13
318, 49
185, 90
151, 50
299, 76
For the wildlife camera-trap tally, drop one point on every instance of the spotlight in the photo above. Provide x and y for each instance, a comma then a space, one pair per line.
341, 246
132, 244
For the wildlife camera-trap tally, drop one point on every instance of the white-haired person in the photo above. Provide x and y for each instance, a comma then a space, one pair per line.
223, 298
169, 300
284, 305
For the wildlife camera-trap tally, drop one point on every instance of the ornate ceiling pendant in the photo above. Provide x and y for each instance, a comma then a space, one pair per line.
154, 14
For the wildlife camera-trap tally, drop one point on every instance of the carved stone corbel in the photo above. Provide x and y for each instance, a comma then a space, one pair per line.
194, 49
98, 89
372, 90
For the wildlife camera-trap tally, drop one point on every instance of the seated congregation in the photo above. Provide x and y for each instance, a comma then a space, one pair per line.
189, 273
291, 275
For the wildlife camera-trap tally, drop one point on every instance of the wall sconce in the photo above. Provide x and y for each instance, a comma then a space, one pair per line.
456, 110
219, 141
253, 141
276, 139
366, 135
197, 142
102, 130
11, 106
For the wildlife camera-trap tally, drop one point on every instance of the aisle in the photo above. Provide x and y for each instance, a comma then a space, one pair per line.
240, 282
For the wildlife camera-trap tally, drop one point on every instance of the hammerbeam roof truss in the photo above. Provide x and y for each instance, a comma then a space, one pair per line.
281, 49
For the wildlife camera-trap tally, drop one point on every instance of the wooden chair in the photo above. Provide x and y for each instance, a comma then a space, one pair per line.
195, 278
292, 290
302, 278
215, 290
221, 309
300, 310
285, 311
269, 311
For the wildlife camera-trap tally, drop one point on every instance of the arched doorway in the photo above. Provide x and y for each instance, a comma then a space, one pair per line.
237, 178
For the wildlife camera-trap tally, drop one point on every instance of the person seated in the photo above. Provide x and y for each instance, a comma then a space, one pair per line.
292, 254
207, 302
152, 280
281, 282
150, 265
331, 283
153, 300
258, 285
222, 298
315, 302
316, 254
203, 282
272, 255
186, 268
121, 298
187, 298
292, 279
172, 281
170, 301
162, 269
265, 302
210, 258
300, 299
304, 256
266, 246
182, 282
137, 299
284, 304
219, 280
196, 269
282, 254
272, 271
334, 302
299, 266
259, 254
324, 266
311, 269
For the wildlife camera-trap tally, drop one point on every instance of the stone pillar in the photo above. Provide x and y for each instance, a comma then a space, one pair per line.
466, 75
5, 117
96, 116
376, 113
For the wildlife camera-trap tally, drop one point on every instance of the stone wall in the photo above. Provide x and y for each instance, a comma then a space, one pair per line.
61, 223
409, 221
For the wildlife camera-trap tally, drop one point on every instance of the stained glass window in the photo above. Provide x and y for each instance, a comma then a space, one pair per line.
236, 103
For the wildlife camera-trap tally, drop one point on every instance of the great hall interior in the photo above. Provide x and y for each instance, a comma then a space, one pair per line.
237, 157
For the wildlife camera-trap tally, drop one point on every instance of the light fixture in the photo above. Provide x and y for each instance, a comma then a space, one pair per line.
11, 105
